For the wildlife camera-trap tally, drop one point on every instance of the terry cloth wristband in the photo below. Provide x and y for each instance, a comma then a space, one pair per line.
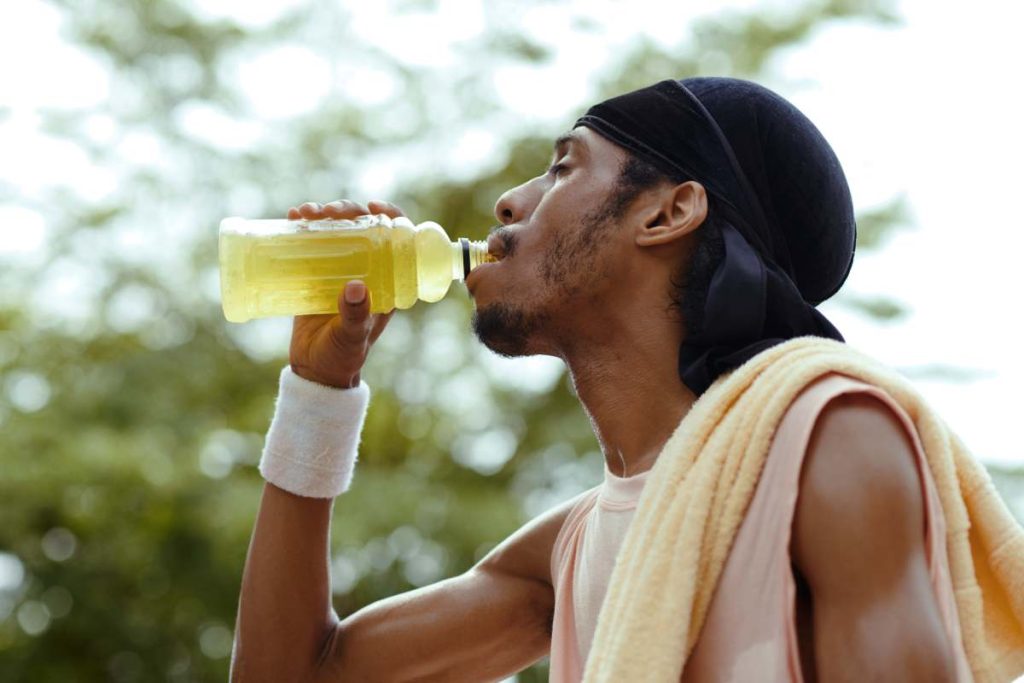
312, 443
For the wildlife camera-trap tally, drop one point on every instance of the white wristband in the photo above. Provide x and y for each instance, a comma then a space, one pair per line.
313, 440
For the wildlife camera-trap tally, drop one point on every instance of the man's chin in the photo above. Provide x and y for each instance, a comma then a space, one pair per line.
506, 330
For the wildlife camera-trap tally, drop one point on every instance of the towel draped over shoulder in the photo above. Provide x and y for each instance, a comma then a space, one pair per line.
702, 482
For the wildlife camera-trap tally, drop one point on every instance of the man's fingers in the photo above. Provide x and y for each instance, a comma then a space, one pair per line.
344, 208
310, 211
334, 209
379, 324
386, 208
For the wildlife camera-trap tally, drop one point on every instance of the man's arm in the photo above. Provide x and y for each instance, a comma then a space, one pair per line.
285, 614
485, 624
858, 539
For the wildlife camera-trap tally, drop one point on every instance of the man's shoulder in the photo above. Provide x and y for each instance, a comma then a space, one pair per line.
859, 540
862, 426
859, 481
860, 448
848, 413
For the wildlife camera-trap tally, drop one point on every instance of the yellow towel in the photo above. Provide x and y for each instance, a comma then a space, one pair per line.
706, 474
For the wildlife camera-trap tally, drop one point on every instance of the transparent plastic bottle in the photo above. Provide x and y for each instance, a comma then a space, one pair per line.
274, 267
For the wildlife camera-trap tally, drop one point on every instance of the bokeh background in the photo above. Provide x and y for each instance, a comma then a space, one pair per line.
132, 414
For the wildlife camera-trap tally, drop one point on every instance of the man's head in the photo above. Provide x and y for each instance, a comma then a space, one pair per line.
769, 183
602, 229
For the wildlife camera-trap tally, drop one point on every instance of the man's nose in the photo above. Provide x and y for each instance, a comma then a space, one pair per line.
511, 206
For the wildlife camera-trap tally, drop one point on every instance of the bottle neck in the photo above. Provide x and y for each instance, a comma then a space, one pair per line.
467, 255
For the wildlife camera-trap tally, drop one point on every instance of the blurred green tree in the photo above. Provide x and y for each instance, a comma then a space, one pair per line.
132, 421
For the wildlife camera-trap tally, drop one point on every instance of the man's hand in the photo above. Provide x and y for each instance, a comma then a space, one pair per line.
331, 348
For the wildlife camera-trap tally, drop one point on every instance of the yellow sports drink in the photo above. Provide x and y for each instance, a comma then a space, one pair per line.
284, 267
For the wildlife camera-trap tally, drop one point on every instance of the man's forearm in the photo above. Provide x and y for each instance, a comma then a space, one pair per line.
285, 616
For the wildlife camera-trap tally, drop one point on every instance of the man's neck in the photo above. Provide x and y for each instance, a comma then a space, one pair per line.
630, 388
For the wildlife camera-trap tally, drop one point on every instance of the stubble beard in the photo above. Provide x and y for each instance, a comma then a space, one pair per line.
567, 268
507, 329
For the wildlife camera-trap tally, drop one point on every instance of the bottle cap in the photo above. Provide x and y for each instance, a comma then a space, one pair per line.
465, 257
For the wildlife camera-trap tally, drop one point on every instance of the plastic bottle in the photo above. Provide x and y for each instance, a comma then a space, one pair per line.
285, 267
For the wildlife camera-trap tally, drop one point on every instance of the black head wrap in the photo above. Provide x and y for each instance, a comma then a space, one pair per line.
786, 213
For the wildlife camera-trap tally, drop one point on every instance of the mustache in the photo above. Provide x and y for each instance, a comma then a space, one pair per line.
508, 238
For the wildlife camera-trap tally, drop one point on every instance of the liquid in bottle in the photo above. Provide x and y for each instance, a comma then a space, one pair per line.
284, 267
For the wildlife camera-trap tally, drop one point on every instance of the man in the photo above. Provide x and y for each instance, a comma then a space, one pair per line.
652, 256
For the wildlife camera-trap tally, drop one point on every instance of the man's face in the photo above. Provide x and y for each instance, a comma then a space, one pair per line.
561, 249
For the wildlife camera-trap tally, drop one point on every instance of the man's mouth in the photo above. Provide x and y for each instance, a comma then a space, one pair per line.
471, 279
496, 246
497, 250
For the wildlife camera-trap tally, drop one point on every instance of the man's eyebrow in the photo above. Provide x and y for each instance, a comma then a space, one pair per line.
566, 139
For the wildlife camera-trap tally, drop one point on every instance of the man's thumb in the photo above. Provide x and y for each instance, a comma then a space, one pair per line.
351, 327
355, 292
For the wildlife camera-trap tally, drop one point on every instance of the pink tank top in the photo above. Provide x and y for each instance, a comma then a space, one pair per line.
750, 630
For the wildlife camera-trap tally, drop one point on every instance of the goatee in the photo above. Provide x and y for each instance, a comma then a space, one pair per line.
505, 329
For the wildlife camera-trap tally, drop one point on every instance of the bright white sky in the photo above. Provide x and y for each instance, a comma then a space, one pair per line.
931, 109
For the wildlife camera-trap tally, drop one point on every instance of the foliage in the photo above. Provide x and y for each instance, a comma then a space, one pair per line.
128, 489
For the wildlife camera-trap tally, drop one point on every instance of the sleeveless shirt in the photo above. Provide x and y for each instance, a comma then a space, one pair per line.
750, 630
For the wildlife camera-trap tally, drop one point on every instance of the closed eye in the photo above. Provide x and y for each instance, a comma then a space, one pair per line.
556, 169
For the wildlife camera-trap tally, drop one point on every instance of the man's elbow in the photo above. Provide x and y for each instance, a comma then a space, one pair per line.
285, 660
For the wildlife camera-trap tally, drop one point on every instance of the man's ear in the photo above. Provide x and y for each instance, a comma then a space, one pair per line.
675, 212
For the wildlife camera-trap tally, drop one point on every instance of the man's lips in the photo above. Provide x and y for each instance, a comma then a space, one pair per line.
496, 248
474, 274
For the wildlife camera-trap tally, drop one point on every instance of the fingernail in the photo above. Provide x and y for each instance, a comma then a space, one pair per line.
355, 293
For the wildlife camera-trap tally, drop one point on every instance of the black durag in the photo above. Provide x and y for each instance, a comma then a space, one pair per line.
785, 209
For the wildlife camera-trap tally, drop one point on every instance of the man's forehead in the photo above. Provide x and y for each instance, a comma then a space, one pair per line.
565, 140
